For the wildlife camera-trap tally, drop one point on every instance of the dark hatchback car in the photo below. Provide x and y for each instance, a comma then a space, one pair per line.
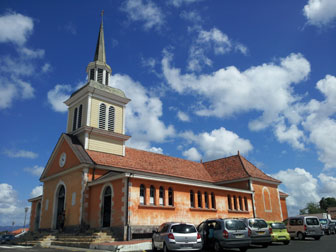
6, 238
218, 234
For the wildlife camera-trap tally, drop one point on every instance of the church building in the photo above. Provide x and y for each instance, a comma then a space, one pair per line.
98, 183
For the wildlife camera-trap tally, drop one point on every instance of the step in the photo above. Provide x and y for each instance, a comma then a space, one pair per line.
72, 244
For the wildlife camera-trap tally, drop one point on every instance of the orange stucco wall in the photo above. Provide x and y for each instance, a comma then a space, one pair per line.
32, 215
181, 211
267, 203
284, 208
71, 159
73, 190
95, 202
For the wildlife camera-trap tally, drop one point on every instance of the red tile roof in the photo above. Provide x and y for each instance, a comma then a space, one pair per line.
230, 168
144, 161
283, 195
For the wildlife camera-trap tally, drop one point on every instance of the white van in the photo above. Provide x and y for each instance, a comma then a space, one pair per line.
304, 226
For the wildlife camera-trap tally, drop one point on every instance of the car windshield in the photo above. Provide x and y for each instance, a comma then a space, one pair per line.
312, 221
235, 225
278, 226
183, 229
257, 223
323, 221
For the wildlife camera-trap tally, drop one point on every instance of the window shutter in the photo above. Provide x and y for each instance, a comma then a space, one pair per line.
111, 119
100, 75
102, 116
74, 123
80, 116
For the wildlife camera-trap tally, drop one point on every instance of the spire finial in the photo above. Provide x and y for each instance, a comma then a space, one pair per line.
102, 15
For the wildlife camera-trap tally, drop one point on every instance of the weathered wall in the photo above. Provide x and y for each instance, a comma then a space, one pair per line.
73, 187
241, 185
284, 208
141, 215
32, 215
267, 202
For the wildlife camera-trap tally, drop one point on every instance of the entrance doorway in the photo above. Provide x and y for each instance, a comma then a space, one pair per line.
37, 216
107, 199
60, 206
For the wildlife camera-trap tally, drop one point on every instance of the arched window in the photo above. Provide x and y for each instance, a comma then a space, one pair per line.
229, 202
213, 200
192, 198
206, 200
267, 199
80, 116
170, 197
246, 204
199, 199
111, 119
161, 196
152, 195
240, 203
235, 202
142, 194
102, 116
106, 209
74, 123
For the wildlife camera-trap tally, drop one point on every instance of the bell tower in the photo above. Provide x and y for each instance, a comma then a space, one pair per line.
96, 111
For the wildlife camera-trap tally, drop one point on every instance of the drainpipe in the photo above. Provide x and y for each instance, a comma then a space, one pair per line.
127, 217
253, 206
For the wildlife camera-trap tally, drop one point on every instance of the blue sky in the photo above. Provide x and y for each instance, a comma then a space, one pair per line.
206, 79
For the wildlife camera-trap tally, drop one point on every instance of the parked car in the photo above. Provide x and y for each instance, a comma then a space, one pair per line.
176, 236
218, 234
260, 232
278, 232
326, 227
304, 226
6, 238
333, 226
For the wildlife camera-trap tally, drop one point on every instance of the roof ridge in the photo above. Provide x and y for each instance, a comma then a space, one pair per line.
241, 161
219, 159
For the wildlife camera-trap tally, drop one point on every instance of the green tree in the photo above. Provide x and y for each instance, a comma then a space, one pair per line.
311, 208
327, 202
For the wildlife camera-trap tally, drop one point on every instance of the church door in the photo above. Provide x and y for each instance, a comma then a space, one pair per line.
107, 207
60, 205
37, 216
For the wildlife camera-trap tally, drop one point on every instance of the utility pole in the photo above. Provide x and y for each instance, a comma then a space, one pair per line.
24, 224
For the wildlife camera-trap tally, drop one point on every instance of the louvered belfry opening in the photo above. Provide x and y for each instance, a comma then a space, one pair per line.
74, 120
107, 78
100, 75
80, 116
111, 118
102, 116
92, 74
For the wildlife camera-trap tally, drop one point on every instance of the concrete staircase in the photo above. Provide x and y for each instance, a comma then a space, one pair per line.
73, 240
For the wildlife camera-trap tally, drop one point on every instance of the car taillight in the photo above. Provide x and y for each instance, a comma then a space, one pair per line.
305, 228
225, 234
270, 230
249, 232
171, 236
198, 236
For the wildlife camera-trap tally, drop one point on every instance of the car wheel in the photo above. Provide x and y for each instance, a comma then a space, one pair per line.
317, 238
286, 242
265, 245
165, 249
242, 249
217, 246
153, 246
300, 236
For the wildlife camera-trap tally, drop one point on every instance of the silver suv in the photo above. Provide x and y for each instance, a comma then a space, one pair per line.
176, 236
260, 232
224, 233
304, 226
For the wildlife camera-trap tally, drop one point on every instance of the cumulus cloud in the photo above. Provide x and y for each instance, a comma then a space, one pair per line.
15, 28
192, 154
320, 12
218, 143
143, 114
179, 3
183, 116
57, 96
213, 40
37, 191
35, 170
192, 16
20, 154
144, 11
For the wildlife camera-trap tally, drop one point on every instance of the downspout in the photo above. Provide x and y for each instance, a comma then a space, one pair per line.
253, 206
127, 216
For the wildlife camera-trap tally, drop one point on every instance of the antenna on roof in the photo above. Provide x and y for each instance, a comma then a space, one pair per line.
201, 161
238, 153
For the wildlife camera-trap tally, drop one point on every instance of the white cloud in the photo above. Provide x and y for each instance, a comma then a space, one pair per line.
15, 28
301, 186
183, 116
212, 40
32, 54
218, 143
7, 94
145, 11
21, 154
320, 12
179, 3
46, 68
57, 96
291, 135
192, 154
192, 16
143, 114
37, 191
36, 170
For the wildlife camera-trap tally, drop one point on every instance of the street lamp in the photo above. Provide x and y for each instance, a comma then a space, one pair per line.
24, 224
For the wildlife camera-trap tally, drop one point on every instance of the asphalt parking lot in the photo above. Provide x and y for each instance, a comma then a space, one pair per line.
326, 244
